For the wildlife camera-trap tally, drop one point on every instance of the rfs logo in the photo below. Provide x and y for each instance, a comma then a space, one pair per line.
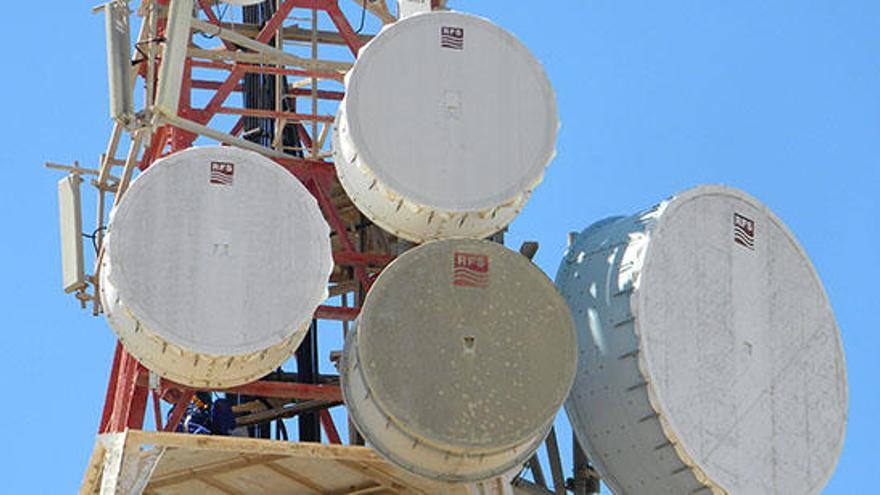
222, 173
452, 37
470, 270
743, 231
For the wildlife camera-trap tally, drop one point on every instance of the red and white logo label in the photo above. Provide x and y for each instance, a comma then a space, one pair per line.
470, 270
222, 173
743, 231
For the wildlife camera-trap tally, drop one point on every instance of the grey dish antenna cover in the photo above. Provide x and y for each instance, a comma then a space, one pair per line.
214, 262
447, 125
463, 354
710, 360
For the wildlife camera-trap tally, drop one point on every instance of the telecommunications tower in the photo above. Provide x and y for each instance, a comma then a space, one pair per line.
278, 179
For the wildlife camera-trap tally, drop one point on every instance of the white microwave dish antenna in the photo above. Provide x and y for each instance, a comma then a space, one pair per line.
447, 126
710, 359
463, 354
215, 261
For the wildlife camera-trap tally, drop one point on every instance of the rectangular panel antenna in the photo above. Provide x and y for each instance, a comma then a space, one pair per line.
177, 37
119, 62
410, 7
72, 265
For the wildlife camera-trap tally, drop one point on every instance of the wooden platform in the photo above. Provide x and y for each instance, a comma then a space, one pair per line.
159, 463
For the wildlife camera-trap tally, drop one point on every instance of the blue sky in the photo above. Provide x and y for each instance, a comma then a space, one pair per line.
781, 99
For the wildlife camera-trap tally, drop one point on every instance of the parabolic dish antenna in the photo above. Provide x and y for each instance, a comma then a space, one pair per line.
215, 260
710, 361
447, 125
463, 354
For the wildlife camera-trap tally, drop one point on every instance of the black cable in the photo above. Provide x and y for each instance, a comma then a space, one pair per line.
219, 20
93, 236
363, 17
223, 14
281, 430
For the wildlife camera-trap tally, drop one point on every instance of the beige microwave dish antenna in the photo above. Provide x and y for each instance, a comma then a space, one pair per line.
463, 354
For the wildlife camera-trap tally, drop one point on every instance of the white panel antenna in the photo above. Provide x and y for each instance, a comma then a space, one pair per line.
407, 8
177, 37
119, 62
72, 266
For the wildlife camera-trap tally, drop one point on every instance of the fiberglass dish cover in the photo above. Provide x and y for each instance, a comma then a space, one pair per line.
447, 125
463, 354
215, 260
710, 361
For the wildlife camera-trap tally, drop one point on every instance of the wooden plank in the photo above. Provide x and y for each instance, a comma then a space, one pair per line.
92, 480
375, 473
232, 465
295, 477
369, 487
219, 485
188, 473
255, 446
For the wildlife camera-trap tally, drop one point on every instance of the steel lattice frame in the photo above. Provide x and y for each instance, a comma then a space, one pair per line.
130, 383
359, 253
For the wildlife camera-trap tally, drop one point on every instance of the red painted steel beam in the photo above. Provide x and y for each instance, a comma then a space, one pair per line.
289, 390
313, 4
238, 72
138, 409
237, 128
178, 409
271, 114
305, 169
301, 131
126, 400
261, 69
212, 18
156, 146
361, 259
122, 395
321, 93
337, 313
341, 22
329, 427
110, 397
157, 409
181, 139
338, 226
